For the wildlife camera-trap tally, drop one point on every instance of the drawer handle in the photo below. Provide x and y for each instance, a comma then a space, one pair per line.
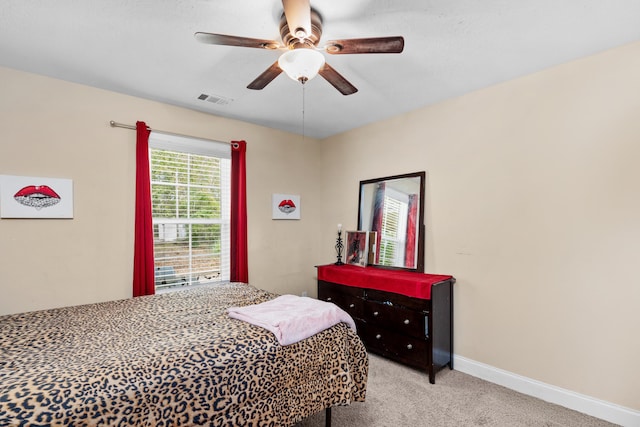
375, 313
351, 305
378, 336
406, 321
409, 347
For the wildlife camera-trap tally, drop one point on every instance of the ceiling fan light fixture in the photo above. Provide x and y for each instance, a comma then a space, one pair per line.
301, 64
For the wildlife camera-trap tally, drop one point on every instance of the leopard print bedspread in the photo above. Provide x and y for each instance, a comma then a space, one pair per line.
173, 359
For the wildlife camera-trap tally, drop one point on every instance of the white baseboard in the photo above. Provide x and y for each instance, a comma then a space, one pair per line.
578, 402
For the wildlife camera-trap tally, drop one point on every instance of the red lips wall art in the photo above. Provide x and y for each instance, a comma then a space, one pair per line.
285, 206
35, 197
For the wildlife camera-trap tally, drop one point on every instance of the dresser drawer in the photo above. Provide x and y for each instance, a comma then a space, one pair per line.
409, 350
396, 319
398, 300
349, 302
328, 287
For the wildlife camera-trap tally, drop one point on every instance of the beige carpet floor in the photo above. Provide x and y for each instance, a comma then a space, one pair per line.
398, 396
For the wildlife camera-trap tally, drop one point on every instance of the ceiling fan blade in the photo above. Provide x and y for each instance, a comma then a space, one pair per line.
225, 40
367, 45
266, 77
298, 14
336, 80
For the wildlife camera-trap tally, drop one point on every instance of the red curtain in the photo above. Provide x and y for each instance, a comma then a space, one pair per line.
143, 273
239, 262
378, 212
410, 244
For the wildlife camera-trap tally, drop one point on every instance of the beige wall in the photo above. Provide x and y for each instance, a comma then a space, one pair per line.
533, 204
51, 128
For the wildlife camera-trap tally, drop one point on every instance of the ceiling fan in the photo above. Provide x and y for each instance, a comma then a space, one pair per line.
300, 30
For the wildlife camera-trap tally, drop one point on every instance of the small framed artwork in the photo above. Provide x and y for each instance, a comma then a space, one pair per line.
32, 197
357, 248
285, 206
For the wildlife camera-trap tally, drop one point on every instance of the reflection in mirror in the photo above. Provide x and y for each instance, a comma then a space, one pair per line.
393, 208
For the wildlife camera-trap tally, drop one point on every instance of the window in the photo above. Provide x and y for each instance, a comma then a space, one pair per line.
190, 197
394, 230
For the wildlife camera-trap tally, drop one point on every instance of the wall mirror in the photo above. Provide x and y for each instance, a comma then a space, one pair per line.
393, 207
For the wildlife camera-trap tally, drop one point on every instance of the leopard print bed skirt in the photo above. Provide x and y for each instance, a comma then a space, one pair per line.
173, 359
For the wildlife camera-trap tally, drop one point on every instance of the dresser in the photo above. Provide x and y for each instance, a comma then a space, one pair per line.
404, 316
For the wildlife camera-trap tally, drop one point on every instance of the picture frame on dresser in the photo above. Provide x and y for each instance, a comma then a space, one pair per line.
357, 248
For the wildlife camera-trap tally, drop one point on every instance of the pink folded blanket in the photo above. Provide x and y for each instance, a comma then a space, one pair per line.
292, 318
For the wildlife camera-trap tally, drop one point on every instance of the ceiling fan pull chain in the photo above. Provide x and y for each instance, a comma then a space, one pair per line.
303, 99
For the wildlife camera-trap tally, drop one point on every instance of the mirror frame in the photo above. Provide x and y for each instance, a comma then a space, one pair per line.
420, 232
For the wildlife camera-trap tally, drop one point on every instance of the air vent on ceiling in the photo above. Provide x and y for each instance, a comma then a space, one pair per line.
215, 99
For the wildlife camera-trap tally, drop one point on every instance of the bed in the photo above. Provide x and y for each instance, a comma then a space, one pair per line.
173, 359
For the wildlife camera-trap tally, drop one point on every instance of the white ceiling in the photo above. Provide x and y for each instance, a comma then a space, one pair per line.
146, 48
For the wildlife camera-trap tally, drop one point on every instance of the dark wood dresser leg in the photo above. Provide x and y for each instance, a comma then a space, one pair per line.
327, 418
451, 324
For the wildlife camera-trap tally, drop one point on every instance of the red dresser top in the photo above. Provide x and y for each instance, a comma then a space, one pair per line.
411, 284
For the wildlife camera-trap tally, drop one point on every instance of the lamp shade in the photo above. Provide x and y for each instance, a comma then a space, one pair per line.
301, 64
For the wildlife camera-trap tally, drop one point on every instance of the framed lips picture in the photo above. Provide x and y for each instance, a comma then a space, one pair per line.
285, 206
32, 197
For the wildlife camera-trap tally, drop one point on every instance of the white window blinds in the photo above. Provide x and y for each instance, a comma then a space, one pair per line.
394, 229
190, 193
